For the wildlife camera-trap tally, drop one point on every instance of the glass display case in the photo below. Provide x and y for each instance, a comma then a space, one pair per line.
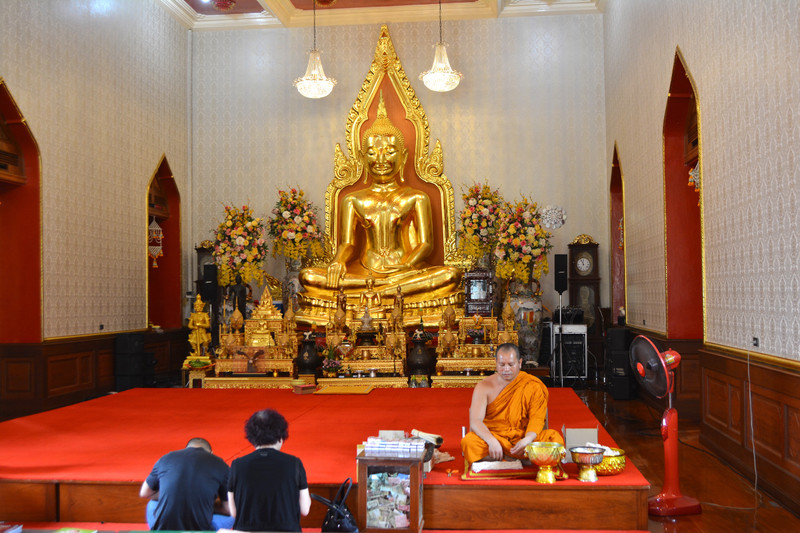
389, 493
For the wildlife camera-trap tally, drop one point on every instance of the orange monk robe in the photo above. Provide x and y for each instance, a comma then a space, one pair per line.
520, 408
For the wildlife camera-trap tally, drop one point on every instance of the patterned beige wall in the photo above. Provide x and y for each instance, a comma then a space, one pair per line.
528, 116
103, 85
742, 56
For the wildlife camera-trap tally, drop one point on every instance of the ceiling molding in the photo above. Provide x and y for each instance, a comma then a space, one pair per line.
193, 20
527, 8
282, 13
292, 17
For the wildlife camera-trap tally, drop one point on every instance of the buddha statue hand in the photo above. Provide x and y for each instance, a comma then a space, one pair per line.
336, 272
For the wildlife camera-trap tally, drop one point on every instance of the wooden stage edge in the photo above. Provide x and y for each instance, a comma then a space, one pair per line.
444, 506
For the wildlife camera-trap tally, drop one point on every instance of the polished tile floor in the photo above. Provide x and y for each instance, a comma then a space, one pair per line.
730, 503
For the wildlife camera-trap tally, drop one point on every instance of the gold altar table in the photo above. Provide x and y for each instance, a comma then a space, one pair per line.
475, 365
248, 383
381, 366
455, 382
262, 366
400, 382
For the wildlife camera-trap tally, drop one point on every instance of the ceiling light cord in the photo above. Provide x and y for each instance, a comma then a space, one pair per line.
440, 22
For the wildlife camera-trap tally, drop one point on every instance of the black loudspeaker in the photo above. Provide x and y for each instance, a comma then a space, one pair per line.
134, 370
561, 273
210, 272
129, 343
546, 346
133, 367
618, 339
208, 290
620, 379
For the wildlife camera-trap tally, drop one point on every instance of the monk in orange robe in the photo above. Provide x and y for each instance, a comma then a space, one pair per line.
507, 413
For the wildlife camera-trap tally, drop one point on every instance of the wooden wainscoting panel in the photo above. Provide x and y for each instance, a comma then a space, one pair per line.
793, 438
689, 375
722, 404
769, 422
101, 502
69, 373
775, 392
17, 378
105, 370
22, 501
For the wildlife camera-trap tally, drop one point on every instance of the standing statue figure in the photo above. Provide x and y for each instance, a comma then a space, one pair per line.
398, 227
397, 310
199, 322
508, 314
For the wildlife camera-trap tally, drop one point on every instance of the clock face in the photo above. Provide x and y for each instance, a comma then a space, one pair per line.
584, 264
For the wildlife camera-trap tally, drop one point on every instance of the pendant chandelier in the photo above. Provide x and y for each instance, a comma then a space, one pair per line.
155, 235
314, 84
441, 77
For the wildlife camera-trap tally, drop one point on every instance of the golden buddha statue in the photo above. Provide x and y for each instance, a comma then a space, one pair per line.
398, 229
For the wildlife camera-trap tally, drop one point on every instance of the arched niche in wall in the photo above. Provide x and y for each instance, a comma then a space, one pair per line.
20, 226
164, 299
682, 207
617, 230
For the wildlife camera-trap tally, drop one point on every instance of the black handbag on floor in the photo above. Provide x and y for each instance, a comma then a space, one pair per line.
338, 517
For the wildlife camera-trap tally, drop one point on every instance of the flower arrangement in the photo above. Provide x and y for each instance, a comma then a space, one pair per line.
480, 220
294, 227
331, 365
523, 243
240, 247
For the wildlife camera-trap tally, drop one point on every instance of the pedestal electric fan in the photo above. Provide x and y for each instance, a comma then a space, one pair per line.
654, 371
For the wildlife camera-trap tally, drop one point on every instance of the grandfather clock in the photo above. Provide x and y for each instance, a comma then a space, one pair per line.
584, 292
584, 281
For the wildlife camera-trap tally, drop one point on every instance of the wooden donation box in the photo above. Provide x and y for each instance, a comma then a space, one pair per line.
389, 493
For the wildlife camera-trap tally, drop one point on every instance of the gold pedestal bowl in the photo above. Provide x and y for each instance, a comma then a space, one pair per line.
612, 464
587, 458
545, 455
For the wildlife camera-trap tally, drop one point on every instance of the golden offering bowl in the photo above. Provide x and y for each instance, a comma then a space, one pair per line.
587, 458
545, 455
612, 464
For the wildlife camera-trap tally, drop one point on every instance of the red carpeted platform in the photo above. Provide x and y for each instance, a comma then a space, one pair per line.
85, 462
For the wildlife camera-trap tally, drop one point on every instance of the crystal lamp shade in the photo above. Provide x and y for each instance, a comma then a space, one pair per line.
314, 84
441, 77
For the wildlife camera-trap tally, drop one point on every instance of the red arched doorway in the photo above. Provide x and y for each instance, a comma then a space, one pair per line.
617, 210
682, 204
164, 271
20, 226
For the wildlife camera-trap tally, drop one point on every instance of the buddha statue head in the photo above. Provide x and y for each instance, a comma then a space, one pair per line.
383, 148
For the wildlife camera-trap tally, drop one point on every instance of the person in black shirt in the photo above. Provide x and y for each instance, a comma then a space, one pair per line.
267, 489
184, 486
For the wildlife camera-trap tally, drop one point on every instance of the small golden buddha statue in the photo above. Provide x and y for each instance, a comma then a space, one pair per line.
448, 318
370, 297
448, 342
398, 226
